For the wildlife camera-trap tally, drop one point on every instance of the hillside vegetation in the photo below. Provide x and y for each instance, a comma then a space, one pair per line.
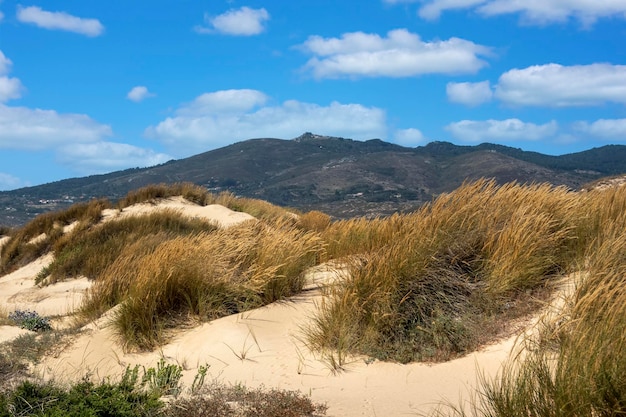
426, 286
341, 177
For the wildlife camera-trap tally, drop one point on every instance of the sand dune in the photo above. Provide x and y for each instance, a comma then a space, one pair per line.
264, 347
260, 347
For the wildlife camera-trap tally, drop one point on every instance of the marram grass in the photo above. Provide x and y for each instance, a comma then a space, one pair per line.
444, 280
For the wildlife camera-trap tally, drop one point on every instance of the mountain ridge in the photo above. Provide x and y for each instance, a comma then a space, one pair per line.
340, 176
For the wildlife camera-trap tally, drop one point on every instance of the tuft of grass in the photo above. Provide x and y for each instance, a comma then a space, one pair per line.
26, 245
446, 279
89, 251
151, 193
314, 220
575, 364
162, 283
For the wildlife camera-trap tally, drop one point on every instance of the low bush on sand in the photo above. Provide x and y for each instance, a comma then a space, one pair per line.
131, 396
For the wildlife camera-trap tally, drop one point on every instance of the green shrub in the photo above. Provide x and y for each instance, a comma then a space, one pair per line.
164, 380
30, 320
82, 399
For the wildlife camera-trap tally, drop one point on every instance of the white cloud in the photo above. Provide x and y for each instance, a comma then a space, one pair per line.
59, 21
102, 157
10, 182
501, 130
216, 119
223, 101
400, 54
139, 93
539, 12
10, 88
433, 9
562, 86
238, 22
5, 64
470, 94
1, 16
409, 137
611, 129
24, 128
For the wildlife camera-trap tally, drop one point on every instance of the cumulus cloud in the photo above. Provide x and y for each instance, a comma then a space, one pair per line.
59, 21
28, 129
563, 86
10, 182
218, 118
470, 94
409, 137
399, 54
508, 130
610, 129
102, 157
139, 93
432, 10
238, 22
5, 64
10, 88
223, 101
538, 12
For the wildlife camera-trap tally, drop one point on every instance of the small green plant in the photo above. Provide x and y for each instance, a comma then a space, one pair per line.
198, 381
30, 320
164, 380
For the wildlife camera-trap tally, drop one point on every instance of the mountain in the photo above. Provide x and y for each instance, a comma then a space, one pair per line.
342, 177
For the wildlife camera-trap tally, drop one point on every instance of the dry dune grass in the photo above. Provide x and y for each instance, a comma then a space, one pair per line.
444, 280
161, 283
429, 285
574, 365
23, 248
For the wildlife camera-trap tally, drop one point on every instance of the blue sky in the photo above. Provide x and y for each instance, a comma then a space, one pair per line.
88, 87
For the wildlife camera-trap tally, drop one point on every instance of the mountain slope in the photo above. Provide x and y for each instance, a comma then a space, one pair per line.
340, 176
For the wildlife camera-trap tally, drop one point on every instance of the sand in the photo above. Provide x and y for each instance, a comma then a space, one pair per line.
264, 347
260, 347
220, 215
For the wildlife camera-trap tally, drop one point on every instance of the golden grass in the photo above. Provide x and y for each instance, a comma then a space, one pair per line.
88, 250
161, 283
429, 285
441, 281
575, 364
20, 250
